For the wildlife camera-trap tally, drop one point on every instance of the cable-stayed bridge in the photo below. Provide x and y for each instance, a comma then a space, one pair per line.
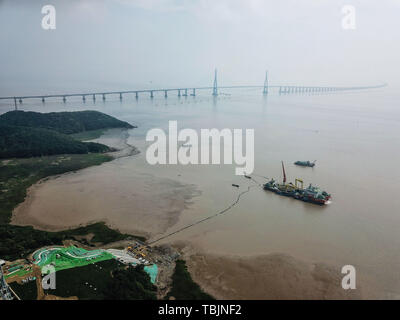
186, 91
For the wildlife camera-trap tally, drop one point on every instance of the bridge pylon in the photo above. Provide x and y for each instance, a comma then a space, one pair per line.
215, 85
265, 91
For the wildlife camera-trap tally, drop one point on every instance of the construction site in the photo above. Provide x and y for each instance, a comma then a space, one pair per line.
29, 272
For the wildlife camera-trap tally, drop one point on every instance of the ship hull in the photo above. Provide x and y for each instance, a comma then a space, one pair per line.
298, 196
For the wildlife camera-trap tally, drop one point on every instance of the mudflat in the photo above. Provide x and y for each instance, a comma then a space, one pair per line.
273, 276
136, 203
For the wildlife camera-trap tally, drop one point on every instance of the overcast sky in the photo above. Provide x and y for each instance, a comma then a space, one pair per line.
129, 44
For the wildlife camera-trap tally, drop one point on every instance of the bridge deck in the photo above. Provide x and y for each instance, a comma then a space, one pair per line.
282, 88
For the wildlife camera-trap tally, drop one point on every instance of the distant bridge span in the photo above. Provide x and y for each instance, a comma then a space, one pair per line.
282, 89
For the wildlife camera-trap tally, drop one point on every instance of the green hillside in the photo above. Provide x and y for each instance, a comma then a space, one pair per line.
63, 122
23, 142
31, 134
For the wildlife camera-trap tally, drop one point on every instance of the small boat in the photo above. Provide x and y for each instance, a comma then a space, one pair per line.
305, 163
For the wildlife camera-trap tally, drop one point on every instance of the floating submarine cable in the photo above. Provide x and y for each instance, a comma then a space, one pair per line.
257, 184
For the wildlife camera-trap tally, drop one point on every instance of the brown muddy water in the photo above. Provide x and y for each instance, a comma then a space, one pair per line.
354, 137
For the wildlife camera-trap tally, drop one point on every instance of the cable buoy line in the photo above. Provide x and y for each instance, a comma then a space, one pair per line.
257, 175
210, 217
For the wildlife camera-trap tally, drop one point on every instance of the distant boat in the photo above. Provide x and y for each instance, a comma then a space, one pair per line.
305, 163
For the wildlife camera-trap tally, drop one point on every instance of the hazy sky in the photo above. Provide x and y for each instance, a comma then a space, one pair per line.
130, 44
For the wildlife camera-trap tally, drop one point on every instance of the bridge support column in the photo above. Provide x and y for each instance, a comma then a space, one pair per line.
20, 100
280, 90
15, 103
265, 90
83, 98
179, 93
94, 98
165, 94
185, 94
120, 96
215, 85
64, 99
136, 95
151, 94
194, 92
104, 97
43, 99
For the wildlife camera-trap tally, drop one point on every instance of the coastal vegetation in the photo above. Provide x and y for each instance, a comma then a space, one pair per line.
18, 241
24, 142
27, 291
105, 280
88, 135
64, 122
183, 286
32, 134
